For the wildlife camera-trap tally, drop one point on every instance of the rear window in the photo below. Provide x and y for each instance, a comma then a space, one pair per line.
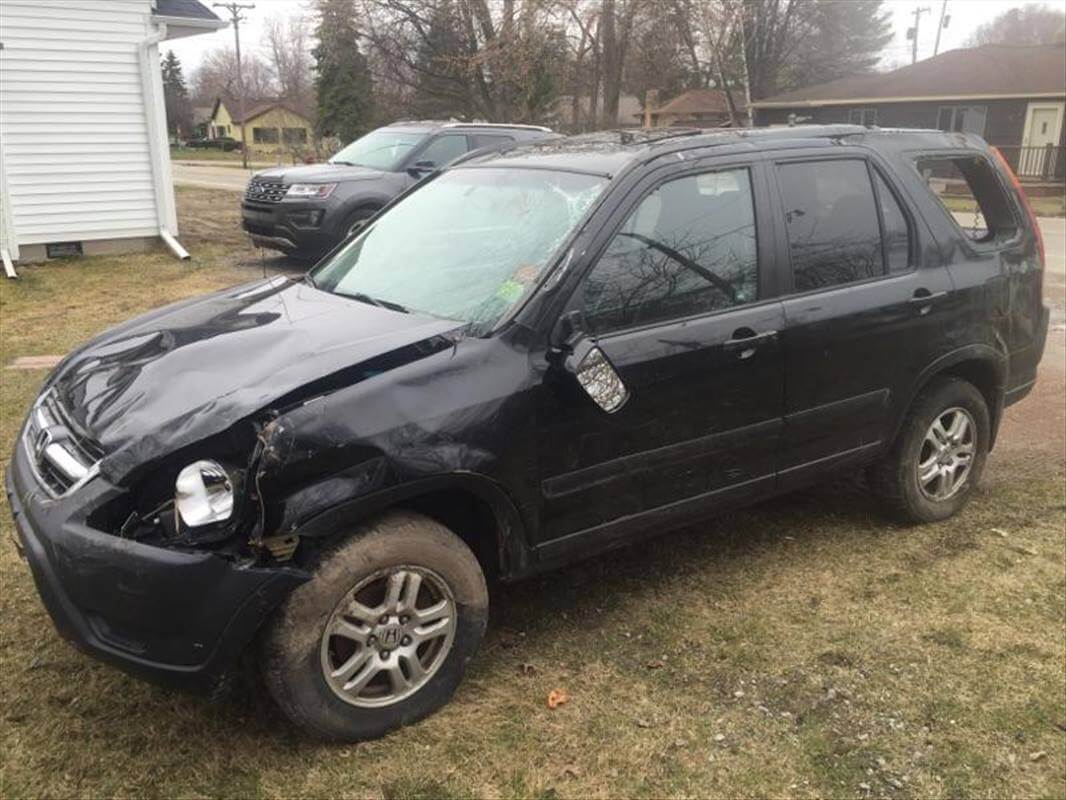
970, 192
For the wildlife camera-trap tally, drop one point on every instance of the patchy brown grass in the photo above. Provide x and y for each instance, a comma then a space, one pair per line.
803, 648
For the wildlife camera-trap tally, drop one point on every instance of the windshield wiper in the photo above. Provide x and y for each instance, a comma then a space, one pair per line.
345, 163
310, 280
374, 301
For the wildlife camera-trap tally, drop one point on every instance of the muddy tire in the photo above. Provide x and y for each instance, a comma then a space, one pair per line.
938, 456
381, 634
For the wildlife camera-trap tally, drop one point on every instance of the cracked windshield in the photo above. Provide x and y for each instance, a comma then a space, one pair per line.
466, 246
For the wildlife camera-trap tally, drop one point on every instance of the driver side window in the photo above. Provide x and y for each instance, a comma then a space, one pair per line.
689, 248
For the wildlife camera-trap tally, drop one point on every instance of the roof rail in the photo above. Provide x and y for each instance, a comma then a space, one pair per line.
455, 123
496, 125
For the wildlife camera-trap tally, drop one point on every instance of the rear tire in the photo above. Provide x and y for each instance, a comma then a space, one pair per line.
938, 456
407, 668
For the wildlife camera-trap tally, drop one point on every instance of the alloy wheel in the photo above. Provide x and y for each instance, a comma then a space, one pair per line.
947, 454
388, 636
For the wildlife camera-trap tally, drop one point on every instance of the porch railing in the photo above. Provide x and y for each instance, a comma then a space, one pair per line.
1036, 164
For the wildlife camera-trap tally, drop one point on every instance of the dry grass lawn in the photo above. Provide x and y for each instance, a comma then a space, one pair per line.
802, 648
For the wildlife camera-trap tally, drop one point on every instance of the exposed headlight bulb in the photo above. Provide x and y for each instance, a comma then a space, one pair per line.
203, 493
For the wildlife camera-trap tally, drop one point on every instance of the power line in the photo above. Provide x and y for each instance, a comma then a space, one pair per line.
944, 20
912, 33
236, 17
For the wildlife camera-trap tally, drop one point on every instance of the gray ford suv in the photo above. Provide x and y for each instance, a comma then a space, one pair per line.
307, 210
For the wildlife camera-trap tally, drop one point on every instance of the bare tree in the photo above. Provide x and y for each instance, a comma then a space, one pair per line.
1024, 25
216, 76
288, 45
497, 59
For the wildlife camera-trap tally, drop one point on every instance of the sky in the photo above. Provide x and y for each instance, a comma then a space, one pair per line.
966, 15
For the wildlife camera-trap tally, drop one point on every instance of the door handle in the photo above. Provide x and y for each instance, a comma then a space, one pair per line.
747, 341
923, 297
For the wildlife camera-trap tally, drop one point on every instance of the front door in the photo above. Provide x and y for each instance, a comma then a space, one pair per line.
1040, 140
676, 302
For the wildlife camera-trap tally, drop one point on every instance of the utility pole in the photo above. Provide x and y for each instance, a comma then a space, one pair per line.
912, 33
945, 19
237, 18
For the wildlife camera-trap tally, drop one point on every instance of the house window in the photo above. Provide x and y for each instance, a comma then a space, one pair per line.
265, 135
967, 119
863, 116
221, 130
294, 135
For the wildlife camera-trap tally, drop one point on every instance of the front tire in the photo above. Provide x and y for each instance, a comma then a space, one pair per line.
381, 634
938, 456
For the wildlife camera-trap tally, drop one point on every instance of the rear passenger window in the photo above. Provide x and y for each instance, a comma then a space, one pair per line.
688, 248
490, 140
833, 230
968, 189
896, 232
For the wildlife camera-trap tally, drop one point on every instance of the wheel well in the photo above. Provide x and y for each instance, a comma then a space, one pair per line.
469, 517
983, 375
980, 373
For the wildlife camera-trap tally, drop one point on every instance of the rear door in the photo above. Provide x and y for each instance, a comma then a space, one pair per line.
862, 316
993, 257
678, 301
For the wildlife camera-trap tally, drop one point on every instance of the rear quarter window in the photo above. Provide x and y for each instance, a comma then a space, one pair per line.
969, 190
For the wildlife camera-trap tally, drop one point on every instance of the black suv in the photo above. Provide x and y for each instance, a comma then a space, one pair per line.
530, 358
306, 211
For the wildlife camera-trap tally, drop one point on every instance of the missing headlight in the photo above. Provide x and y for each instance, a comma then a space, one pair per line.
203, 494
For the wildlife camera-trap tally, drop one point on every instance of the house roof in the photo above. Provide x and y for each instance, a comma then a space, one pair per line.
253, 107
187, 9
993, 70
697, 101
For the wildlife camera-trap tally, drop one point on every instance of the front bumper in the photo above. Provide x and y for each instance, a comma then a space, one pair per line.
290, 227
179, 618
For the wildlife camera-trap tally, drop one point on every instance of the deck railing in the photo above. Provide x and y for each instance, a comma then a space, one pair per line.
1036, 164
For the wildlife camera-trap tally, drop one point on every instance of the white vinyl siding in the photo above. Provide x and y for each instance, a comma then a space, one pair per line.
73, 120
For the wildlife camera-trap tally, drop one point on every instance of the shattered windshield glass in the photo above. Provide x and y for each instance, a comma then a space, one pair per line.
466, 246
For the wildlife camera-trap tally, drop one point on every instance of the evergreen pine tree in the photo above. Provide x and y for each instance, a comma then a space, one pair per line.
176, 96
342, 76
443, 87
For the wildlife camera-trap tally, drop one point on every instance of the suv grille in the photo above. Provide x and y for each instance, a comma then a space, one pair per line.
62, 458
265, 191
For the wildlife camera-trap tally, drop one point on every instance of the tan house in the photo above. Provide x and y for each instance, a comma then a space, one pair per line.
567, 115
272, 126
697, 108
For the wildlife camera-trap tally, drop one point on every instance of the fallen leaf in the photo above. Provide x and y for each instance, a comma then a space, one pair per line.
1000, 532
655, 665
643, 723
556, 697
1038, 755
527, 669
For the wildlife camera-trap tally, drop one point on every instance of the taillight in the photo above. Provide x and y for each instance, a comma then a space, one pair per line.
1025, 203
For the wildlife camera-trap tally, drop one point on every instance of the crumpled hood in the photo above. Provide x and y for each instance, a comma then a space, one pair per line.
185, 372
319, 173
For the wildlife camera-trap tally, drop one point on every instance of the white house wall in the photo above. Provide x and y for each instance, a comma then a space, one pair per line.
73, 120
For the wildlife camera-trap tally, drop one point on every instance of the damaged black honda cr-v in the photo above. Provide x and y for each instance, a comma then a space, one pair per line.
533, 357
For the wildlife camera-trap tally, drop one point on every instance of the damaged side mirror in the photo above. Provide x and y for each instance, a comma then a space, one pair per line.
589, 365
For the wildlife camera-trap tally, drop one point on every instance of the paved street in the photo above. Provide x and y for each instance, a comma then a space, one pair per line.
210, 176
